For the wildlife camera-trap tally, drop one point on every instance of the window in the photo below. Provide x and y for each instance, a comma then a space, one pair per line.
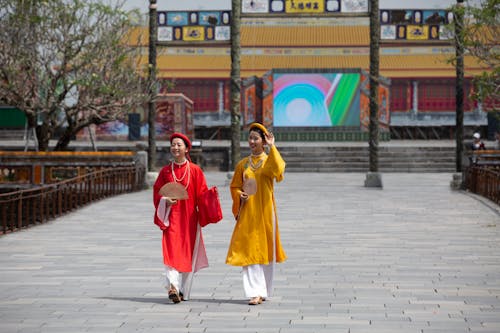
202, 92
399, 96
440, 96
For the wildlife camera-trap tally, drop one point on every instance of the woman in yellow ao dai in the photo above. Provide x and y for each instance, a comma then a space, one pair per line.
255, 243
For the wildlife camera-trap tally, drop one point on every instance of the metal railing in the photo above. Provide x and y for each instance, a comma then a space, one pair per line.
483, 180
24, 208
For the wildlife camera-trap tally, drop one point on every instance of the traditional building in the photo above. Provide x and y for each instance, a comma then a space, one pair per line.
310, 36
415, 55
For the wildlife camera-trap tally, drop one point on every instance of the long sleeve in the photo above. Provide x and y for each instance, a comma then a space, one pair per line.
160, 181
236, 187
275, 165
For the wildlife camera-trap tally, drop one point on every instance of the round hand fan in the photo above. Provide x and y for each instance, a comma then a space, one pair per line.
173, 191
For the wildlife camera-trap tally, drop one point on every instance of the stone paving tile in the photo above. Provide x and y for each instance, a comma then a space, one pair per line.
412, 257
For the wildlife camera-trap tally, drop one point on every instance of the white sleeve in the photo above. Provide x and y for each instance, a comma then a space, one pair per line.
163, 211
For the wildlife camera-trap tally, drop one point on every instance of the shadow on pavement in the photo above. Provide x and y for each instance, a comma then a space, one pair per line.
165, 300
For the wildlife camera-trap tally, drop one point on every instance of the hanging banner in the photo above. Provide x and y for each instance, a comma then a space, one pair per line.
306, 7
194, 26
421, 24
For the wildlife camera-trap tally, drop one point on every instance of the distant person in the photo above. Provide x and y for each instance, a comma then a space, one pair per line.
255, 243
182, 242
477, 144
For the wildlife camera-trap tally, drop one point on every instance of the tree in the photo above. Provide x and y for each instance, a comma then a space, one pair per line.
374, 78
235, 82
67, 65
373, 178
459, 86
476, 32
480, 38
153, 30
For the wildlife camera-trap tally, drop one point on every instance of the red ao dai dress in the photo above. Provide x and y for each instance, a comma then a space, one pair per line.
182, 242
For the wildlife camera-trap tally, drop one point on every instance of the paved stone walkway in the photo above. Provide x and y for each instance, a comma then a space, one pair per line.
413, 257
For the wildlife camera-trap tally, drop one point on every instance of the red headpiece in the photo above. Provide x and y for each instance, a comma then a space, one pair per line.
183, 137
186, 142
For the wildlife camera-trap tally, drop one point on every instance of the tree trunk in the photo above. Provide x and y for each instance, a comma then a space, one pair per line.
152, 86
374, 83
43, 134
459, 88
30, 131
235, 83
64, 140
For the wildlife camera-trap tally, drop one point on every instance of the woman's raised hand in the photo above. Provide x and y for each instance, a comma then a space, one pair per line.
269, 138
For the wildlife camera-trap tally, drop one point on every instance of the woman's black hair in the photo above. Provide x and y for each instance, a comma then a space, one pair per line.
258, 130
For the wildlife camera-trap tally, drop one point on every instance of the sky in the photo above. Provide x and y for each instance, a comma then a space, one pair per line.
226, 4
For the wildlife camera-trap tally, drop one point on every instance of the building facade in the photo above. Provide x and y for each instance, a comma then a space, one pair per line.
415, 57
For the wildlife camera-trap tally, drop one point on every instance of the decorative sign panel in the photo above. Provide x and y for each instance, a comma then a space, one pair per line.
191, 34
194, 26
15, 174
421, 24
255, 6
417, 32
62, 173
303, 6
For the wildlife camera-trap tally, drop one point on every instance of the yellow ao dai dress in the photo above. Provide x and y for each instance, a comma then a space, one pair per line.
253, 239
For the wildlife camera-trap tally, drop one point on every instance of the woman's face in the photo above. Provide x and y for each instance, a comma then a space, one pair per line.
255, 142
178, 149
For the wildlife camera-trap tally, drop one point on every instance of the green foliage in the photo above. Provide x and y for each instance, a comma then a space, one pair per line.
480, 38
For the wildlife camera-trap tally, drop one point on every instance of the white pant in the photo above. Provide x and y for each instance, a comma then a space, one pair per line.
181, 281
258, 280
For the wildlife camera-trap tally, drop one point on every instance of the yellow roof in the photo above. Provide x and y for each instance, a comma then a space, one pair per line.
319, 36
219, 66
308, 43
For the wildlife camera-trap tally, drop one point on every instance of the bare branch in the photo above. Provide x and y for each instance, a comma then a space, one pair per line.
68, 63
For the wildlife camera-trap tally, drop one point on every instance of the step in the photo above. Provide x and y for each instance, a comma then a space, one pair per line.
356, 158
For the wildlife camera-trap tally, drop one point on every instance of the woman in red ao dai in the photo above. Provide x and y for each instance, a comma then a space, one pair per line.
182, 242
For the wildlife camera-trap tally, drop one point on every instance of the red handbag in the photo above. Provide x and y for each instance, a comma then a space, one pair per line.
209, 209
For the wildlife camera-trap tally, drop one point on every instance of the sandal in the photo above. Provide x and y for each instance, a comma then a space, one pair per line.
255, 300
173, 294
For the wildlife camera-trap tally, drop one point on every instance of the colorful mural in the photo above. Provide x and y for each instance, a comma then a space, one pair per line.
327, 99
252, 101
113, 129
316, 99
174, 112
267, 99
383, 103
